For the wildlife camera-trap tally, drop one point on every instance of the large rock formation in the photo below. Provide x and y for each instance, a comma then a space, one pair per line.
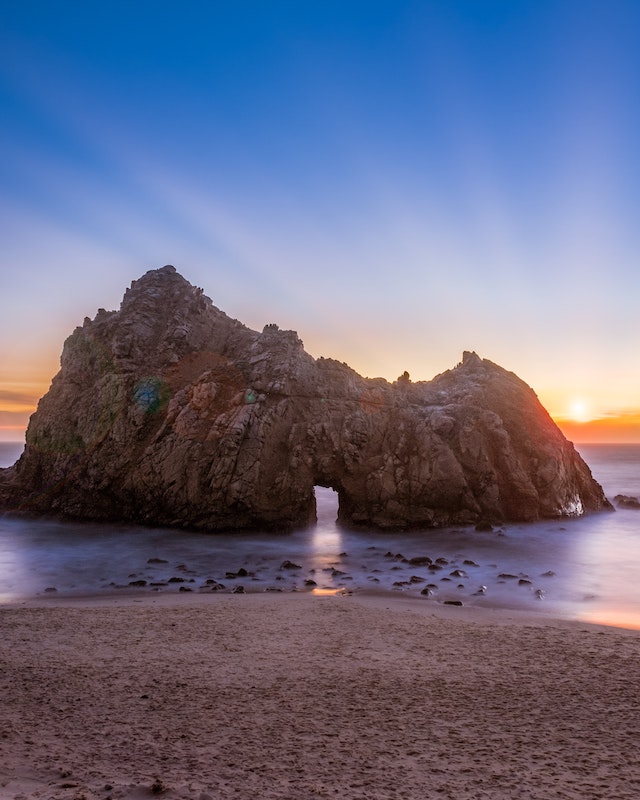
168, 412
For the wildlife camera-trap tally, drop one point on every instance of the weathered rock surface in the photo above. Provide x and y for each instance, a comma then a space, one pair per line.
168, 412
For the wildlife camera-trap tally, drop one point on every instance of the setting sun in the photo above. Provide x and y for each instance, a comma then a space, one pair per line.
579, 411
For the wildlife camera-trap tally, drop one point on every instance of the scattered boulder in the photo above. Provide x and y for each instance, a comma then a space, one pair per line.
626, 501
289, 565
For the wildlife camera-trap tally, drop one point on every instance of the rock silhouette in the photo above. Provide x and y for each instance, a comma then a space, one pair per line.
169, 412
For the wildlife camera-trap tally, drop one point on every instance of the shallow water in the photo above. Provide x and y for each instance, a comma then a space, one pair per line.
596, 559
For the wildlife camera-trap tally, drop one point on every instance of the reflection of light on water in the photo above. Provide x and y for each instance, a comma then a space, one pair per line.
605, 562
318, 592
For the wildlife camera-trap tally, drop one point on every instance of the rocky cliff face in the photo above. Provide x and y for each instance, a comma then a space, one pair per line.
168, 412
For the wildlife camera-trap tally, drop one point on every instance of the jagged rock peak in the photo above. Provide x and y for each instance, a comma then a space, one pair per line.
165, 284
169, 412
470, 358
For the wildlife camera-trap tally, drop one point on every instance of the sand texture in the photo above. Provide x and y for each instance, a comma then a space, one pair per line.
300, 697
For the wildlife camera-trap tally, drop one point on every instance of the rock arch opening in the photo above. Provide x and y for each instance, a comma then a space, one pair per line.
327, 505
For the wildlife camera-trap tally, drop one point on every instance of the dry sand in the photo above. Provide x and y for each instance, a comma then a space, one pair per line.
295, 696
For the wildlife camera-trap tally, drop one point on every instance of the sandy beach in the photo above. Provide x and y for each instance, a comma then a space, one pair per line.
297, 696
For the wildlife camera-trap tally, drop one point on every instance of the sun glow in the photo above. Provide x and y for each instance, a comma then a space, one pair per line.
579, 411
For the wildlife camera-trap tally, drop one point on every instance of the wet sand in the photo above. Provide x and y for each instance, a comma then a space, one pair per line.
294, 696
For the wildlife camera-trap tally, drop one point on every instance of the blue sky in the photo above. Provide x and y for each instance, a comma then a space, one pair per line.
396, 181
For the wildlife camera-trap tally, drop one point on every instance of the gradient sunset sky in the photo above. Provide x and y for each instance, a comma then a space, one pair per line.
397, 181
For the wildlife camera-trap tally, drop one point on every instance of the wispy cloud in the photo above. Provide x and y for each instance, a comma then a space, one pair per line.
9, 399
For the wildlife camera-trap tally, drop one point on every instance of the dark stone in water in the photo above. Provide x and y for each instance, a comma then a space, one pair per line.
626, 501
185, 589
286, 564
239, 590
420, 561
453, 603
212, 585
138, 583
484, 527
157, 561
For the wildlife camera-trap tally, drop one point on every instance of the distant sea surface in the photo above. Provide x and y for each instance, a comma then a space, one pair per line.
10, 452
586, 568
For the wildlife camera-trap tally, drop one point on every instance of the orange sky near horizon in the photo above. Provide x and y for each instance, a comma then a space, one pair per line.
622, 429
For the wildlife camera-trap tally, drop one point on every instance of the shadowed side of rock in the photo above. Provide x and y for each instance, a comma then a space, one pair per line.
169, 412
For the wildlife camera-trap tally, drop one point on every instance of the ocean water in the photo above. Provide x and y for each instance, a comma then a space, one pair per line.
586, 568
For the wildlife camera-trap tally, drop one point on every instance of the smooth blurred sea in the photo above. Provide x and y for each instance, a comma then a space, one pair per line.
595, 559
